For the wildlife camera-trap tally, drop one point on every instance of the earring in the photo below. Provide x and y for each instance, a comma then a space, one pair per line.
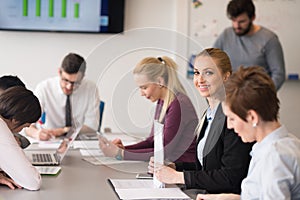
254, 125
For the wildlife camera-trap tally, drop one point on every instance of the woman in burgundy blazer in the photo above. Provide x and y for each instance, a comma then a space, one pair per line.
158, 81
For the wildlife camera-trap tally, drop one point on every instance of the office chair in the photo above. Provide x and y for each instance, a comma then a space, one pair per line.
101, 109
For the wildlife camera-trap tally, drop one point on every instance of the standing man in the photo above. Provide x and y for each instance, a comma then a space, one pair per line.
250, 44
67, 100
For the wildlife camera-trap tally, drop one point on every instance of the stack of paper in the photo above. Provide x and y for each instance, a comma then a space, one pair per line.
91, 153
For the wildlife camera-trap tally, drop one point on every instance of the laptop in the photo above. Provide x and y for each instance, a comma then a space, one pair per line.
50, 157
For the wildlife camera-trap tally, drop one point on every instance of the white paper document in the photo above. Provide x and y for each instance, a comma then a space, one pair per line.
101, 160
145, 189
158, 151
91, 152
86, 144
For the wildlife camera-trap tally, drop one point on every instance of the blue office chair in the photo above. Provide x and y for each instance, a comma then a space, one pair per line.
101, 109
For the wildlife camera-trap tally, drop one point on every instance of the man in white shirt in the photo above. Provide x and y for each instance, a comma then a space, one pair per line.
53, 93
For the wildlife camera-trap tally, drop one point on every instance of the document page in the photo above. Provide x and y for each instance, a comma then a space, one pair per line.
158, 151
145, 189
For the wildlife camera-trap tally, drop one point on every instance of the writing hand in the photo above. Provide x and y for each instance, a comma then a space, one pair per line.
118, 143
59, 131
107, 147
45, 134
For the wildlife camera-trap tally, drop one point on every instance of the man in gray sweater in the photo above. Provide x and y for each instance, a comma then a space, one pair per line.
250, 44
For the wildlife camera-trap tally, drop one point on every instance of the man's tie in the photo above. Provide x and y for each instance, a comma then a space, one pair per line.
68, 112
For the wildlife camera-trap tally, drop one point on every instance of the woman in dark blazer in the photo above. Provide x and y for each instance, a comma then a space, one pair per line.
222, 158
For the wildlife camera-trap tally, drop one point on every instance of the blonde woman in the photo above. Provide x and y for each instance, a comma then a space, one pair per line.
158, 81
222, 159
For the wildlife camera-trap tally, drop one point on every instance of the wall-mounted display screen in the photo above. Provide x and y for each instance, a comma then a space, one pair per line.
93, 16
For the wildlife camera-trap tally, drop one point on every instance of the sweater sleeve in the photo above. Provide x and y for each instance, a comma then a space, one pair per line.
274, 58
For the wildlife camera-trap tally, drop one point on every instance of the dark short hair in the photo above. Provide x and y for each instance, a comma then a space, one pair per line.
10, 81
20, 104
73, 63
252, 88
238, 7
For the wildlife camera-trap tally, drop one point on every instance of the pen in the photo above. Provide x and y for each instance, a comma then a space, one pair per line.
102, 136
99, 133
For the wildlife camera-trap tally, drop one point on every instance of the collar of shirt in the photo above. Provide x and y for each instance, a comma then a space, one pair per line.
210, 114
259, 147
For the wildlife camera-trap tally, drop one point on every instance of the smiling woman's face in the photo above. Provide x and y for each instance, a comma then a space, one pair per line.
208, 78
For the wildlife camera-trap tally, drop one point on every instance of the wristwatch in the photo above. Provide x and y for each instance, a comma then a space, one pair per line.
119, 155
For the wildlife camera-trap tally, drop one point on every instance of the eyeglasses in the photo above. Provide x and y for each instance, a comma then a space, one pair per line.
72, 83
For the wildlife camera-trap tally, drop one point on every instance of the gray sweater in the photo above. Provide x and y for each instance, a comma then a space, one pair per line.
263, 49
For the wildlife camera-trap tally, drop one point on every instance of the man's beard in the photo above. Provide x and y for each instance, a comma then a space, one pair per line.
245, 32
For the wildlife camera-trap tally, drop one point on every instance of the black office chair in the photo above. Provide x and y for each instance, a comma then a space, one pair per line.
101, 109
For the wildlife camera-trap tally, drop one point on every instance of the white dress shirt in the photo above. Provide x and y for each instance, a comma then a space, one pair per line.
210, 115
14, 162
84, 102
274, 171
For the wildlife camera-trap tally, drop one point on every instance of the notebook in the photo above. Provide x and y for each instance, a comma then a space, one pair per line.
50, 157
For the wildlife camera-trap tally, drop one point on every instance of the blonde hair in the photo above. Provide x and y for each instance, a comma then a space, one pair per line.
223, 61
165, 68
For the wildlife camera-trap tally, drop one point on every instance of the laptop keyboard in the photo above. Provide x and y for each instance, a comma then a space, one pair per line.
45, 157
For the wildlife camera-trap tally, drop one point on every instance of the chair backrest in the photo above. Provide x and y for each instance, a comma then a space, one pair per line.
101, 109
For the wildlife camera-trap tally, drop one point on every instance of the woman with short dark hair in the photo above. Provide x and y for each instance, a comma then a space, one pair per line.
252, 107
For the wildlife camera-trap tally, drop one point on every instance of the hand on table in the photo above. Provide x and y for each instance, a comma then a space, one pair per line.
218, 197
151, 165
8, 181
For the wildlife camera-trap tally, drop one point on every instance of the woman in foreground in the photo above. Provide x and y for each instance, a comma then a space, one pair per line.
251, 107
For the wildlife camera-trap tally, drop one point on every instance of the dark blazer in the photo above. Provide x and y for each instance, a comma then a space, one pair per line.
225, 161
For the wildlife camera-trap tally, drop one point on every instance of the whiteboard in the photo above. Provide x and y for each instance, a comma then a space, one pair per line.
208, 20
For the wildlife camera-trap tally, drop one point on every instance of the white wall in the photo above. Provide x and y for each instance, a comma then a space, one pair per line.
289, 96
35, 56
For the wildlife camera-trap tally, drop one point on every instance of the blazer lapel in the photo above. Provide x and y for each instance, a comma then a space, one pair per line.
215, 131
200, 126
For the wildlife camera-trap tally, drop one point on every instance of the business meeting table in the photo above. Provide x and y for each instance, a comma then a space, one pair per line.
78, 179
